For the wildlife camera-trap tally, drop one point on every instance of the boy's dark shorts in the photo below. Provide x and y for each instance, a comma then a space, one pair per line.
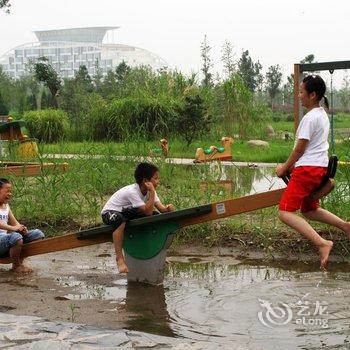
116, 218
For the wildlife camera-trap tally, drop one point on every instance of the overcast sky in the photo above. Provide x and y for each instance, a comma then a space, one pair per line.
274, 31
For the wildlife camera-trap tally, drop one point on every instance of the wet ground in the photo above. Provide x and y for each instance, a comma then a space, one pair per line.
206, 298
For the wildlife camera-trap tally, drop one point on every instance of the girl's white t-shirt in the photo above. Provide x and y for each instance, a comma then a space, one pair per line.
127, 197
314, 127
4, 217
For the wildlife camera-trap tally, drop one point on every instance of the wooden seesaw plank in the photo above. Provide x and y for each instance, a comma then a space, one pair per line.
236, 206
31, 169
200, 214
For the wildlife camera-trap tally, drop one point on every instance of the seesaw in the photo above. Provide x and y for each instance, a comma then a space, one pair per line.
162, 150
214, 152
327, 184
147, 239
9, 168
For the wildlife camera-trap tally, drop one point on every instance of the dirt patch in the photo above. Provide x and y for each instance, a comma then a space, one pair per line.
82, 285
60, 285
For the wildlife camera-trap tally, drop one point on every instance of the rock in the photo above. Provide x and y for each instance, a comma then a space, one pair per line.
258, 143
270, 131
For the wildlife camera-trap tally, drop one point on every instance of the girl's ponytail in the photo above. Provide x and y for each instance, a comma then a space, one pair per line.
326, 103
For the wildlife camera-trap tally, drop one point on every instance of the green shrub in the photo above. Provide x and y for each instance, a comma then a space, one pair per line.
144, 117
48, 125
15, 115
276, 117
193, 121
242, 114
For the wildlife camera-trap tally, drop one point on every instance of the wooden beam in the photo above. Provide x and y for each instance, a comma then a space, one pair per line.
236, 206
219, 210
296, 96
69, 241
31, 169
312, 67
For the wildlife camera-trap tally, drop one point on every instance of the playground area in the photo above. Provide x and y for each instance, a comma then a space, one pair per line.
216, 270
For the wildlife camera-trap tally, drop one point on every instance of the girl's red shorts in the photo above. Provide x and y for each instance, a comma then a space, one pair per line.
304, 180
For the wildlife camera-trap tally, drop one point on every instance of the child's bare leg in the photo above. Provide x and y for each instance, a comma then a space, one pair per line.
329, 218
118, 236
302, 226
17, 261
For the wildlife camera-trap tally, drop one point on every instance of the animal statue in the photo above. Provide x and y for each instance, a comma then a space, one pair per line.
222, 152
163, 149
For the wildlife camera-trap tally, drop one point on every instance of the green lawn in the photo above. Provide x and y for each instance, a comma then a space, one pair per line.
278, 150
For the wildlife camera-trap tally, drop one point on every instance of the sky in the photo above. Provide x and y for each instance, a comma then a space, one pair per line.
274, 31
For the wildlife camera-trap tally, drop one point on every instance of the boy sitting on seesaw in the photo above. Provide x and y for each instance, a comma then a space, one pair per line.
131, 202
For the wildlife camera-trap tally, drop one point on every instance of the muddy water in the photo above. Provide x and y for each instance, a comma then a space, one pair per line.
238, 181
242, 304
234, 303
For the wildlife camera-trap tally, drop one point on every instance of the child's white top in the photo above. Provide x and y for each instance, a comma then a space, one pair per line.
314, 127
4, 217
127, 197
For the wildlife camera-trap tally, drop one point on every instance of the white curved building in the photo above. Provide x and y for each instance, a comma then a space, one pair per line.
68, 49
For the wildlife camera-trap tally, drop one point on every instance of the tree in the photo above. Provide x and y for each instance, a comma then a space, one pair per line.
344, 93
238, 107
228, 58
109, 85
3, 108
97, 77
205, 51
5, 5
83, 79
121, 72
193, 119
288, 90
273, 81
250, 71
45, 73
308, 59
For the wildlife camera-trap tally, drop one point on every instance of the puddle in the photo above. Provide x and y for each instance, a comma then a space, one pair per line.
292, 305
236, 180
94, 287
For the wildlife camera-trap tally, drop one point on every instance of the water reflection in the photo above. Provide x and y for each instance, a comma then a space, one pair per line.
211, 301
150, 309
220, 302
244, 180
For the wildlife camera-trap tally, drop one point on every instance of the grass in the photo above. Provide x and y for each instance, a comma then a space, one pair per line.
69, 201
277, 152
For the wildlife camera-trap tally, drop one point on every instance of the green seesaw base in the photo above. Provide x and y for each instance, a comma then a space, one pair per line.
146, 237
147, 241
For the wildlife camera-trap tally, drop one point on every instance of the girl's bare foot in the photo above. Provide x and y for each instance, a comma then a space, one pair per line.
21, 269
122, 266
324, 250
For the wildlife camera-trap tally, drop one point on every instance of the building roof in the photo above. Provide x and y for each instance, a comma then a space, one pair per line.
85, 35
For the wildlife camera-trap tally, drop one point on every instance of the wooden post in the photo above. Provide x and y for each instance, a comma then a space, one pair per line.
296, 94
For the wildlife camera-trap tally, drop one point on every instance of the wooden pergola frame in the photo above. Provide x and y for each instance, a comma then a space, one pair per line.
311, 67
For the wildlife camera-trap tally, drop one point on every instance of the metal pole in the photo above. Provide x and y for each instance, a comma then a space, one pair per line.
332, 114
